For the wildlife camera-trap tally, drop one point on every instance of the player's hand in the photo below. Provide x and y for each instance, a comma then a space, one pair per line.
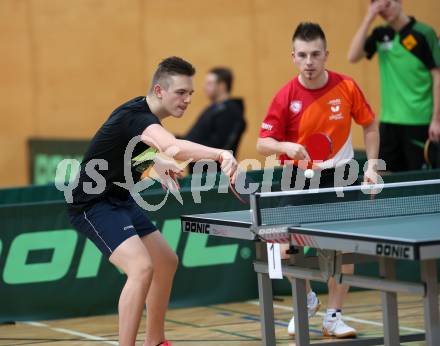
168, 171
228, 164
375, 9
370, 176
296, 151
434, 131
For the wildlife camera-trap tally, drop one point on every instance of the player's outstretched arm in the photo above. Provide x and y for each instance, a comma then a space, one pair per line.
434, 128
158, 137
269, 146
371, 141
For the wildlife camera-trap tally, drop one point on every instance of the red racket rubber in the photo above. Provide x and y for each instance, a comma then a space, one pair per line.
319, 146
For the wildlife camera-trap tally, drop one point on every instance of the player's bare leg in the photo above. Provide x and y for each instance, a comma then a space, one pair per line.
133, 258
313, 303
165, 264
338, 292
333, 324
284, 255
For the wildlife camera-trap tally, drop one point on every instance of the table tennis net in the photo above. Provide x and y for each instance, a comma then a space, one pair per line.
354, 205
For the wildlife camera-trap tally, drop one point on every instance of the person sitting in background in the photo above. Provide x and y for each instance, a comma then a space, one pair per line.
222, 123
409, 61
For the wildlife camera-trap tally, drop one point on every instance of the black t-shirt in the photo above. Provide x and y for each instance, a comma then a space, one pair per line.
220, 125
109, 144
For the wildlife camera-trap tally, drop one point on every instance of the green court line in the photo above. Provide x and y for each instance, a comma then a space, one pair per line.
378, 308
226, 324
184, 323
236, 334
281, 314
354, 306
231, 310
205, 325
250, 338
244, 313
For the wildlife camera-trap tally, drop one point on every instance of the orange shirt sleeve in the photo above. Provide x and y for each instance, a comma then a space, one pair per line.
361, 111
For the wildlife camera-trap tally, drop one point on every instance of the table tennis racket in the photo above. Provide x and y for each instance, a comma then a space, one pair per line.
239, 192
431, 153
319, 146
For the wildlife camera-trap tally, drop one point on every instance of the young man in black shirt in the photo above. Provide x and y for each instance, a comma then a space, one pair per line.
104, 210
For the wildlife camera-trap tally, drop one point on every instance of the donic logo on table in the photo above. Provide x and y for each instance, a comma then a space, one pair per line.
397, 251
196, 227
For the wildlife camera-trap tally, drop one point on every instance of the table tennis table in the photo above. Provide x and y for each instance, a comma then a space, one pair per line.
382, 223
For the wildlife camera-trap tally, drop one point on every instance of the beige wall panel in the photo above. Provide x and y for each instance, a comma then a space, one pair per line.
88, 57
208, 34
13, 161
65, 65
15, 67
16, 101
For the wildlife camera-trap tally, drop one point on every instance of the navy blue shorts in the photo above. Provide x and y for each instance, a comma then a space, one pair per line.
111, 221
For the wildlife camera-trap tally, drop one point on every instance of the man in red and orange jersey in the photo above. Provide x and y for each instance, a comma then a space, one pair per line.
319, 101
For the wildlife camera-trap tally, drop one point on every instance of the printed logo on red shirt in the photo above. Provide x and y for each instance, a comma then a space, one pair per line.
266, 126
296, 106
335, 107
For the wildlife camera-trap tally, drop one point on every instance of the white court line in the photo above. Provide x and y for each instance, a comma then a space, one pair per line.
346, 318
72, 332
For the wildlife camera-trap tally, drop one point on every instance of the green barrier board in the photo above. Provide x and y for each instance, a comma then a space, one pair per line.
48, 270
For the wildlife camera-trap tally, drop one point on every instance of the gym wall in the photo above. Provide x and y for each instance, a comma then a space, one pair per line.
65, 65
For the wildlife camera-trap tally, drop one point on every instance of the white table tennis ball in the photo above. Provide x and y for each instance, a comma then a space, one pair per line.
309, 173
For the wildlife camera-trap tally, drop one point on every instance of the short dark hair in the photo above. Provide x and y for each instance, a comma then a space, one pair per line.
171, 66
307, 31
224, 75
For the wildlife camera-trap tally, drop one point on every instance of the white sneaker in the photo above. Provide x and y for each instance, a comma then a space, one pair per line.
334, 326
312, 309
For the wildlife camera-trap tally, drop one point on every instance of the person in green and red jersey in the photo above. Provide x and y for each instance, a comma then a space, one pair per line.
409, 61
